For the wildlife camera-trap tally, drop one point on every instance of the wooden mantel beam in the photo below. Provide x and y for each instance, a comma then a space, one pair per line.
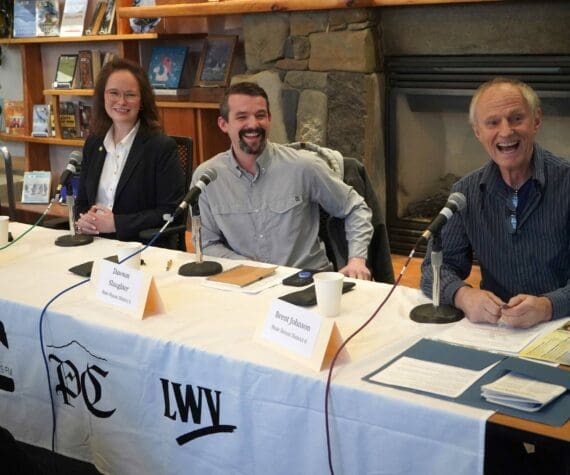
173, 8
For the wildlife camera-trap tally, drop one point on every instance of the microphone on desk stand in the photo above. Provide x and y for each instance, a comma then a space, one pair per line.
200, 268
73, 239
434, 312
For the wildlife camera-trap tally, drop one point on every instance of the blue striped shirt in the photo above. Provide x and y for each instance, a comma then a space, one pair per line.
532, 259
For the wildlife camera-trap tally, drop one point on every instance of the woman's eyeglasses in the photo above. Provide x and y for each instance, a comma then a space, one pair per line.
114, 95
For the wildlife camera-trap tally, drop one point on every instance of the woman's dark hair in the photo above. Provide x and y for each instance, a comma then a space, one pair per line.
148, 113
243, 88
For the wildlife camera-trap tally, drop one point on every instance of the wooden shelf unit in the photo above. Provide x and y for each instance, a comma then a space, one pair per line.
179, 117
172, 8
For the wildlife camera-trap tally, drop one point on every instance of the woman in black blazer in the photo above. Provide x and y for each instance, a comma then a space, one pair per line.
130, 173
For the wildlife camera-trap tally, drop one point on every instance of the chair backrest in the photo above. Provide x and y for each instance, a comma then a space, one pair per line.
186, 156
9, 182
185, 147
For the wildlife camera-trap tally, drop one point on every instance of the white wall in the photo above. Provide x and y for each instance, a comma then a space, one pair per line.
11, 87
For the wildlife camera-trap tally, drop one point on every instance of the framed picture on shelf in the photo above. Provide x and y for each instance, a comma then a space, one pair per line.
65, 72
216, 60
166, 66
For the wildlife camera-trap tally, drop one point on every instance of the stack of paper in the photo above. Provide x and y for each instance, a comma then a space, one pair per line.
519, 392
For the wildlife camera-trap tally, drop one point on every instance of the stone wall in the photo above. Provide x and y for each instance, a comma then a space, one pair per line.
321, 71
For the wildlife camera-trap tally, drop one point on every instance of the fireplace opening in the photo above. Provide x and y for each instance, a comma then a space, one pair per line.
429, 142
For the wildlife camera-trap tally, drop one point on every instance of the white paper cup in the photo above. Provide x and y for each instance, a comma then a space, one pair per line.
328, 287
4, 220
126, 249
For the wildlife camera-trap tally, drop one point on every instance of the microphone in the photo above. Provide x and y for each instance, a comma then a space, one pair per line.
71, 168
194, 193
455, 202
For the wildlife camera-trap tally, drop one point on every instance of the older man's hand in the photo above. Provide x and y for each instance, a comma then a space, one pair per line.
525, 311
478, 305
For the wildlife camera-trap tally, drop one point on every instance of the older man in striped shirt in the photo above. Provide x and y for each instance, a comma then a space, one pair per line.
517, 218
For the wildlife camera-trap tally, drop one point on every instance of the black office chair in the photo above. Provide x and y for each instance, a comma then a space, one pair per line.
174, 237
9, 184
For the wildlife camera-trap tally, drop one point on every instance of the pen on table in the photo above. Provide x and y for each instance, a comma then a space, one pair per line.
168, 264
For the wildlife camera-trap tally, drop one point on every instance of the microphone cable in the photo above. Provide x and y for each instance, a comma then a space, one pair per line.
53, 299
350, 337
38, 221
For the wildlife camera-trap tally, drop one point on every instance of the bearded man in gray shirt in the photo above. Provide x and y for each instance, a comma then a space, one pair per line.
264, 204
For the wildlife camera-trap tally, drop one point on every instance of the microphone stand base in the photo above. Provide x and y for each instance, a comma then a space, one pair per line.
428, 313
72, 240
200, 269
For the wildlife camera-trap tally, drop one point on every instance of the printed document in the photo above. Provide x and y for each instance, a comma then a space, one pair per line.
490, 337
436, 378
554, 346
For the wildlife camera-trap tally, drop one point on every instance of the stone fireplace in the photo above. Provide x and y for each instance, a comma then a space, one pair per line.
429, 142
332, 78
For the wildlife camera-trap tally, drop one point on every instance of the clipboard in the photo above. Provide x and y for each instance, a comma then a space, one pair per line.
242, 275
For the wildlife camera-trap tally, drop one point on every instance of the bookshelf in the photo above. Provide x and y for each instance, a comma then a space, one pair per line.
181, 116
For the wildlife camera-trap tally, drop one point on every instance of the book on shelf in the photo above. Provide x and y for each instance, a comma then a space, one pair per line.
14, 117
73, 18
65, 73
84, 119
108, 23
47, 18
24, 19
96, 18
108, 56
69, 120
95, 64
36, 187
52, 121
166, 66
41, 120
174, 93
143, 25
85, 68
1, 115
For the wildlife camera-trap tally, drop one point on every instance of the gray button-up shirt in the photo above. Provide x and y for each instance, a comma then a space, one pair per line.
274, 216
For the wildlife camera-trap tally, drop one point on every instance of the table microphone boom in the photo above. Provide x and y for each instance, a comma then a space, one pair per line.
455, 202
71, 168
194, 193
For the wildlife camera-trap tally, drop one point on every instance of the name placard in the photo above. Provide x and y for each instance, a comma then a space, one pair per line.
126, 289
300, 334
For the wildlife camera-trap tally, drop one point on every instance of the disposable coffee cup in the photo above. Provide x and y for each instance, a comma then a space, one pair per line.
328, 288
126, 249
4, 220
